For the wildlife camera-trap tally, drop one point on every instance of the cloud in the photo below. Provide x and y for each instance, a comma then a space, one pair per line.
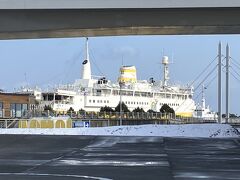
125, 51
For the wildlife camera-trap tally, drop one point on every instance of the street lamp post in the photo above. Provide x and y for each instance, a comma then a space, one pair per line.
120, 105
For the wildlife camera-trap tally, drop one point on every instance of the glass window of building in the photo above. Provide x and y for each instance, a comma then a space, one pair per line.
13, 110
24, 109
1, 109
18, 110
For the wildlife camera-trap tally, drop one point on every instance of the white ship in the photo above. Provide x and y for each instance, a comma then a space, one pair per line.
204, 112
90, 94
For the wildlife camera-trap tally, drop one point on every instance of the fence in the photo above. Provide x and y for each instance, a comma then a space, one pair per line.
102, 115
102, 119
9, 123
15, 123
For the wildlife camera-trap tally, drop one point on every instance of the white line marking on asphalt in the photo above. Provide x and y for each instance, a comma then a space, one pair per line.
88, 162
124, 155
57, 175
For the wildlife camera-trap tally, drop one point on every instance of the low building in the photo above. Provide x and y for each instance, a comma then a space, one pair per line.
15, 105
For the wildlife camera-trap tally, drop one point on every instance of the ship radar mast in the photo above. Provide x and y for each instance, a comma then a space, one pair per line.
203, 98
86, 66
165, 63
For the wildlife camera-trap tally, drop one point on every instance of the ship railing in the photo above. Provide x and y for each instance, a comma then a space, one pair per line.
47, 103
63, 101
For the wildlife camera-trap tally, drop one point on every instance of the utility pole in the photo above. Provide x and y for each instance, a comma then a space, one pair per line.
219, 82
227, 82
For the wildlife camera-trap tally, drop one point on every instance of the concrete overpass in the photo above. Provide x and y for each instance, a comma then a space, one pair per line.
74, 18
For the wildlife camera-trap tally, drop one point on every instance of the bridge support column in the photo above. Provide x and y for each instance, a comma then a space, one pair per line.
220, 82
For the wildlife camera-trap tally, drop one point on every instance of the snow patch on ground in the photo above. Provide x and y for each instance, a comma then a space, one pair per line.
187, 130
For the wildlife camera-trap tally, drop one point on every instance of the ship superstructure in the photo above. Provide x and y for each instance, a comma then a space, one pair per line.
90, 94
202, 111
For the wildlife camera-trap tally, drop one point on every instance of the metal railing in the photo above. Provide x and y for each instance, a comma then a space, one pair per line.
9, 123
117, 116
102, 119
100, 115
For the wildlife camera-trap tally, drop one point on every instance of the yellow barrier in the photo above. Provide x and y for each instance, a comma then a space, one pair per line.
45, 123
185, 114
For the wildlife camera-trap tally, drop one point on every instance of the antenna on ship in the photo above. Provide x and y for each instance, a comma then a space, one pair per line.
165, 63
86, 66
122, 60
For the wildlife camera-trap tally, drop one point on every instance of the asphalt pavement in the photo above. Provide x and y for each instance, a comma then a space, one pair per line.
24, 157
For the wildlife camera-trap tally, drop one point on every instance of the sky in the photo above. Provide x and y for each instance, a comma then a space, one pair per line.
47, 62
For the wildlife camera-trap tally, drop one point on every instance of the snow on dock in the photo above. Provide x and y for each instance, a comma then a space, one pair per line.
187, 130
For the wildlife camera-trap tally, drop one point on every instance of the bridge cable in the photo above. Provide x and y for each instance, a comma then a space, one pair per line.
235, 77
94, 63
234, 60
215, 67
235, 71
205, 69
206, 86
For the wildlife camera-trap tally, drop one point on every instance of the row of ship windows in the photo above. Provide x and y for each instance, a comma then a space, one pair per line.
169, 104
132, 102
99, 101
140, 103
126, 102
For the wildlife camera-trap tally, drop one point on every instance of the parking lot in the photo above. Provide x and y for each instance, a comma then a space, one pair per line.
90, 157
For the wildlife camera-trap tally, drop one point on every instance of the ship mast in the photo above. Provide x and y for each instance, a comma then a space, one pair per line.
86, 50
165, 71
86, 66
203, 98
